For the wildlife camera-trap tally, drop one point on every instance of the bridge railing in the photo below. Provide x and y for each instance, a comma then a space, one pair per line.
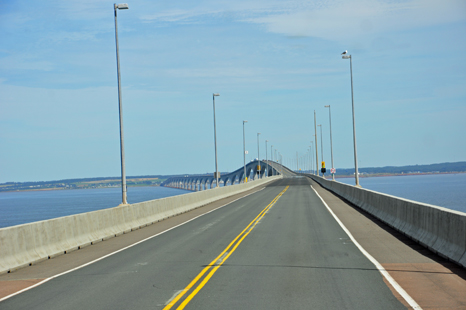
441, 230
27, 244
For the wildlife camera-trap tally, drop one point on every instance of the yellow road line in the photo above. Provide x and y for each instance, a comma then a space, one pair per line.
211, 273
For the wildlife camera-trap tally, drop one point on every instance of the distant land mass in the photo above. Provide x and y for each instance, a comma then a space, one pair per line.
458, 167
100, 182
155, 180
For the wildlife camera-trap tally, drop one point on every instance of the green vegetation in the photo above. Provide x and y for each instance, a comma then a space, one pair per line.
82, 183
457, 167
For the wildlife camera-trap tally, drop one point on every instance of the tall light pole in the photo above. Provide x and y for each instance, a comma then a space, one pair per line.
345, 55
310, 159
271, 156
312, 165
266, 160
297, 163
331, 144
321, 145
215, 141
315, 136
122, 6
280, 161
245, 179
258, 158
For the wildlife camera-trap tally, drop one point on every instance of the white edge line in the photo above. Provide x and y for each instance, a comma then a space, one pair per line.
379, 267
122, 249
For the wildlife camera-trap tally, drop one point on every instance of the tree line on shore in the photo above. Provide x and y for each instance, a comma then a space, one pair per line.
71, 183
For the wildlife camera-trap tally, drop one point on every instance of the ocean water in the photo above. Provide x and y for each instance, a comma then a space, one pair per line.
444, 190
31, 206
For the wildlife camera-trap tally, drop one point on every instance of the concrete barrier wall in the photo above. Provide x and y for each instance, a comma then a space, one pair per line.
26, 244
439, 229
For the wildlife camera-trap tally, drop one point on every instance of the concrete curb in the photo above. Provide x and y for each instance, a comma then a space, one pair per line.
27, 244
441, 230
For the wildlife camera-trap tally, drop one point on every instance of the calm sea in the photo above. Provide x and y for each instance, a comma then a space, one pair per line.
444, 190
25, 207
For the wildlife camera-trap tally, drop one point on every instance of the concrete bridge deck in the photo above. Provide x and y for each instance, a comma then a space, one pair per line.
296, 256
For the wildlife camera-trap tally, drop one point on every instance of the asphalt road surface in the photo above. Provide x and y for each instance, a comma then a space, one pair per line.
278, 248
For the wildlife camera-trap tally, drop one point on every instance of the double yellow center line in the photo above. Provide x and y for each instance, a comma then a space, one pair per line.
219, 260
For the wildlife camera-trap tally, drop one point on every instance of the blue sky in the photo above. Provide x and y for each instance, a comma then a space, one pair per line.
273, 63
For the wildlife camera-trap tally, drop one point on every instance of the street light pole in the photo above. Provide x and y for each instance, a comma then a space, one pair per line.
297, 163
321, 145
356, 172
122, 6
310, 159
245, 179
281, 162
315, 136
266, 159
271, 155
258, 158
215, 141
331, 144
312, 165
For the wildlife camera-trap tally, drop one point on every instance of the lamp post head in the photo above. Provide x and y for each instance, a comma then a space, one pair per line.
245, 122
217, 94
327, 106
121, 6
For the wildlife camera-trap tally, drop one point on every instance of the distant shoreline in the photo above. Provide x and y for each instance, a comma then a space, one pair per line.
70, 188
327, 176
377, 175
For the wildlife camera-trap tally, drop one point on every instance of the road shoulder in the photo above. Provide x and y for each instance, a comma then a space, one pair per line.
433, 282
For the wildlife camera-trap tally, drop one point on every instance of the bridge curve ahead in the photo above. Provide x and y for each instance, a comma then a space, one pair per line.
207, 181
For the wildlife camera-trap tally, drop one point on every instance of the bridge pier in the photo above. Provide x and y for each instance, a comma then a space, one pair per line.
207, 181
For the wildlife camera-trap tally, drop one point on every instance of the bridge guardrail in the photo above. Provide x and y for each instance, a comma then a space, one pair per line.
441, 230
27, 244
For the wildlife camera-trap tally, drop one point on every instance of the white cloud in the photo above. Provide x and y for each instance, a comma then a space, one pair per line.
175, 15
243, 72
348, 19
334, 20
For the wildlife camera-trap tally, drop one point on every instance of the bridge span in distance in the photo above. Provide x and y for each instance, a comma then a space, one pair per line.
200, 182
